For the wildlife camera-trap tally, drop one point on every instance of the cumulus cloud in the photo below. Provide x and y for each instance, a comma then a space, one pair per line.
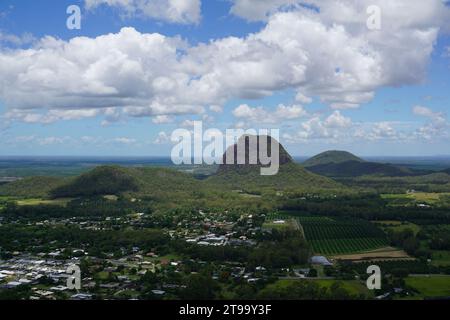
42, 141
162, 119
438, 126
257, 10
337, 128
124, 140
333, 127
51, 116
162, 138
316, 52
173, 11
436, 117
261, 115
18, 41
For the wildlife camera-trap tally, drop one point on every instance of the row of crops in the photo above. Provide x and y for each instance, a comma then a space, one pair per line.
331, 236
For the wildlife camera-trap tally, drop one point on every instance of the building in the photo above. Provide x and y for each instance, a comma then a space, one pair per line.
320, 260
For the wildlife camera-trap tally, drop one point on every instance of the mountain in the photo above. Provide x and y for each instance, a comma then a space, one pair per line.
331, 157
447, 171
338, 164
357, 168
35, 187
114, 180
100, 181
248, 176
251, 146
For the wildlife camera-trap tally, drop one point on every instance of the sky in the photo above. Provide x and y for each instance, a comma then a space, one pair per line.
328, 74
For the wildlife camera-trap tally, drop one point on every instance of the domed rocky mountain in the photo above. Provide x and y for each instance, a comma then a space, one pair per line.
248, 149
248, 175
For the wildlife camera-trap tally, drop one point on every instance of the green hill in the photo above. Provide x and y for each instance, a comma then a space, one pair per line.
290, 176
114, 180
33, 187
356, 169
331, 157
99, 181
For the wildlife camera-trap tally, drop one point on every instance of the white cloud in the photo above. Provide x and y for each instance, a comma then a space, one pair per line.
320, 54
173, 11
301, 98
337, 120
51, 116
162, 138
257, 10
334, 126
216, 108
42, 141
261, 115
436, 117
11, 39
124, 140
438, 127
162, 119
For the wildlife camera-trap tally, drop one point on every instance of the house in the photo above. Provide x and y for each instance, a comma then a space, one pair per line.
12, 284
320, 260
158, 292
44, 293
81, 296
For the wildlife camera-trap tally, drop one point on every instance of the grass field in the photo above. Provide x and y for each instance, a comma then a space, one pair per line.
34, 202
398, 226
440, 258
354, 287
433, 286
417, 197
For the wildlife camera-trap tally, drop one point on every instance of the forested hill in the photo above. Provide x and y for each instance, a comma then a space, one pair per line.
338, 164
31, 187
356, 169
331, 157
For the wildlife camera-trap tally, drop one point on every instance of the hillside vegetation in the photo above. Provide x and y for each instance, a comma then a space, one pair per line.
31, 187
357, 168
290, 176
114, 180
331, 157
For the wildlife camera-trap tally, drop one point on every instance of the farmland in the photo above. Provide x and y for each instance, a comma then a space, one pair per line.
398, 226
431, 286
332, 236
409, 199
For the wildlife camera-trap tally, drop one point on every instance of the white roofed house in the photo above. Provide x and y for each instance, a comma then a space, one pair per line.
320, 260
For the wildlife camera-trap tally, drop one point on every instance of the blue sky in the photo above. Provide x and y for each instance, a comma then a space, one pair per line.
137, 70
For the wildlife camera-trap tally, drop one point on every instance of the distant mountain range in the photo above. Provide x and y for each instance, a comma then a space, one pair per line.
313, 175
109, 180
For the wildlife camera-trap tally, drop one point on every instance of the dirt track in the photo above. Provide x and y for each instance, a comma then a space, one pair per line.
387, 253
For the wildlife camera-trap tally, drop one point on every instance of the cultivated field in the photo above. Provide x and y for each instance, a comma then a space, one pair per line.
381, 254
430, 286
334, 236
